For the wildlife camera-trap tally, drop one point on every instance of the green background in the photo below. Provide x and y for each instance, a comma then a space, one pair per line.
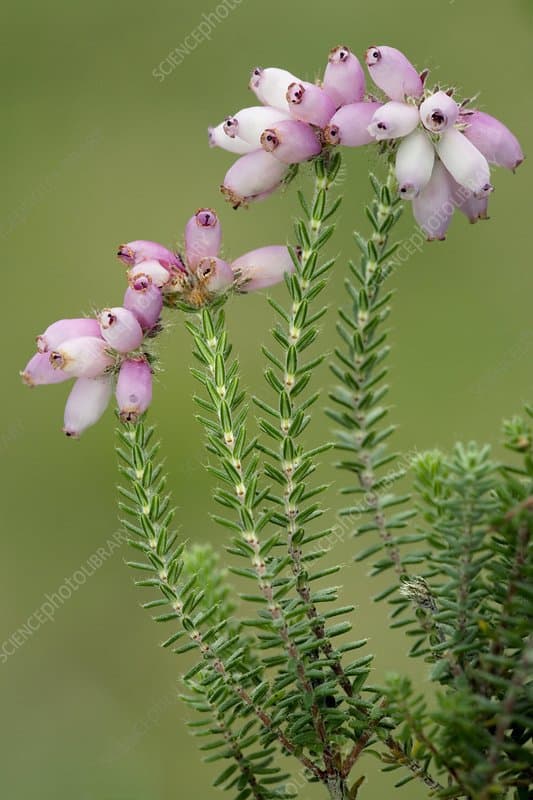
97, 152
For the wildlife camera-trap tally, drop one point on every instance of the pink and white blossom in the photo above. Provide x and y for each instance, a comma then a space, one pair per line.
393, 120
82, 357
393, 73
145, 300
215, 274
263, 267
157, 273
344, 77
121, 329
233, 144
87, 401
434, 206
493, 139
309, 103
134, 389
203, 235
439, 112
249, 123
414, 164
349, 125
464, 162
291, 141
40, 372
134, 253
63, 329
270, 85
253, 177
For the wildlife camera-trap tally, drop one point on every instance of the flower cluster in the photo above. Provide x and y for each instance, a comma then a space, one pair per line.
442, 148
112, 349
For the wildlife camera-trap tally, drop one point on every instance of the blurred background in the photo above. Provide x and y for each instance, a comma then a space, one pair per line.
98, 150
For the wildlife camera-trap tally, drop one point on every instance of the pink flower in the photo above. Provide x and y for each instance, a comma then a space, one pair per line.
253, 177
414, 164
291, 141
393, 120
134, 253
87, 401
433, 207
39, 371
344, 78
263, 267
63, 329
393, 73
271, 85
249, 123
214, 274
203, 236
349, 125
463, 160
438, 112
158, 274
82, 357
134, 389
121, 329
310, 103
493, 139
144, 299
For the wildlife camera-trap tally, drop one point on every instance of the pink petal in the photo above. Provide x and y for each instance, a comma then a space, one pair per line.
493, 139
203, 236
66, 329
263, 267
134, 389
158, 274
121, 329
434, 206
393, 73
270, 86
253, 177
464, 161
310, 103
87, 401
414, 163
39, 371
349, 125
291, 141
344, 78
393, 120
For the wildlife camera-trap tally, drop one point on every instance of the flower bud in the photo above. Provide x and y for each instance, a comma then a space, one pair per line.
263, 267
310, 103
203, 235
82, 357
464, 161
393, 73
144, 300
393, 120
214, 274
87, 401
438, 112
270, 86
291, 141
493, 139
233, 144
39, 371
349, 125
433, 207
344, 78
63, 329
253, 177
121, 329
414, 163
249, 123
135, 252
134, 389
158, 274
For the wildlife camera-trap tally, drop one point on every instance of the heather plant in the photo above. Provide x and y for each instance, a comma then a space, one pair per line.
277, 681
